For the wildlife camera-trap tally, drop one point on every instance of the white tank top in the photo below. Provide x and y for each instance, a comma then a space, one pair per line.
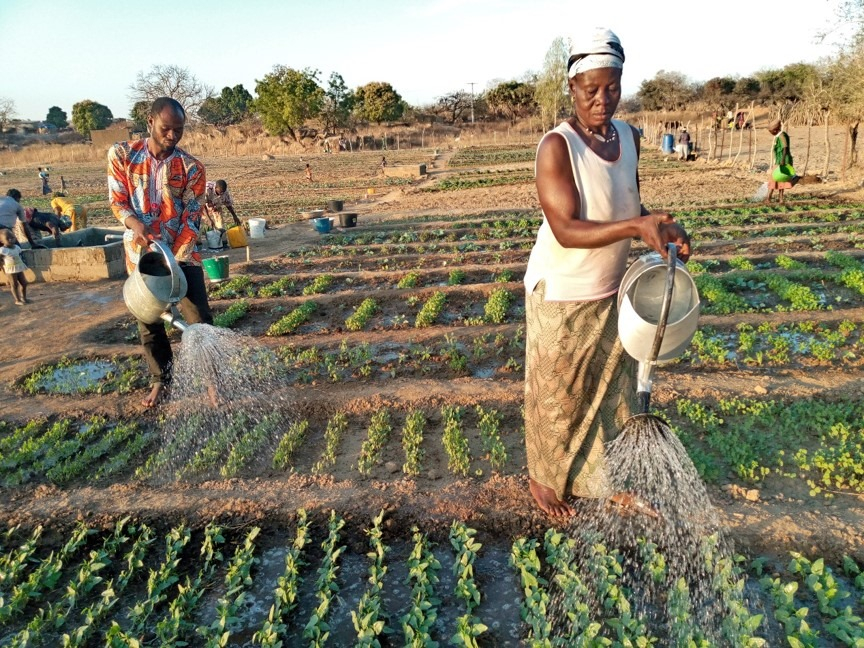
608, 192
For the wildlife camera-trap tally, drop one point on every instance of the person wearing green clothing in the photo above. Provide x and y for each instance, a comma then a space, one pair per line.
782, 156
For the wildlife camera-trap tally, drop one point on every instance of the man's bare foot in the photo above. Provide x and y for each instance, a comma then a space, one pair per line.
548, 501
632, 503
154, 397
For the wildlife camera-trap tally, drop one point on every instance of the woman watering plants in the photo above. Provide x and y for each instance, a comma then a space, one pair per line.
579, 383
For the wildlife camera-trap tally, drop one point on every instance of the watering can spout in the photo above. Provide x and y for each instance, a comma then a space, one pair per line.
178, 323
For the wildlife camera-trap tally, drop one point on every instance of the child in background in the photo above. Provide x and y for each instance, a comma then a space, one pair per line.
13, 266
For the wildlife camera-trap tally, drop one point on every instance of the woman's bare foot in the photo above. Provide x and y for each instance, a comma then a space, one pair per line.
154, 397
548, 501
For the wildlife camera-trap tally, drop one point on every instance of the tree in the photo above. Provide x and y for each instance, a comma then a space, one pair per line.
139, 114
510, 100
287, 98
787, 84
453, 106
666, 91
845, 94
57, 117
747, 89
171, 81
338, 103
718, 92
89, 115
231, 107
7, 111
378, 102
551, 92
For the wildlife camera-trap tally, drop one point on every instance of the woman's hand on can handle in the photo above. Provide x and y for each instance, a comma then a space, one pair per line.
659, 229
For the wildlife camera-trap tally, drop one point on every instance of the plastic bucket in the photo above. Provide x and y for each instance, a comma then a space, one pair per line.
668, 143
256, 227
236, 237
214, 239
335, 205
640, 299
347, 219
783, 173
216, 268
322, 225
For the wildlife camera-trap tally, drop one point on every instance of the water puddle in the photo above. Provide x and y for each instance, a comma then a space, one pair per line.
84, 377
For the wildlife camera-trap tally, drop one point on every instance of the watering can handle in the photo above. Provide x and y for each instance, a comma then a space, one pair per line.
672, 256
173, 267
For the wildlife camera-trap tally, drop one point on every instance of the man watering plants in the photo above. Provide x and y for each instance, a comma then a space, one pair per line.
156, 191
579, 382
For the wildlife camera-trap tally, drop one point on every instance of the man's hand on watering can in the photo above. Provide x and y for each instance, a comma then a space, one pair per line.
659, 229
140, 233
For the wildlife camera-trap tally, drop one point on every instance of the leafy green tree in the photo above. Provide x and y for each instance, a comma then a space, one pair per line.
287, 99
747, 89
90, 115
787, 84
510, 100
139, 114
551, 92
231, 107
338, 103
57, 117
378, 102
717, 92
666, 91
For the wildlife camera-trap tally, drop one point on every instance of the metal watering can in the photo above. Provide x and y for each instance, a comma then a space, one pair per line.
658, 313
155, 286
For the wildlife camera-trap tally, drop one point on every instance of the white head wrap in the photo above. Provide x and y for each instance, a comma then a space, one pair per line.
601, 48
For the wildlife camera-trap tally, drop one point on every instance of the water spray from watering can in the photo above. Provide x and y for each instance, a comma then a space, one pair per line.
157, 284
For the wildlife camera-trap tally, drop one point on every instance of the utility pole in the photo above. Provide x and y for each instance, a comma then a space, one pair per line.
471, 83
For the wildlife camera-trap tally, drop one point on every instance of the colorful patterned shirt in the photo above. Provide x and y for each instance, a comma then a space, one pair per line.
166, 195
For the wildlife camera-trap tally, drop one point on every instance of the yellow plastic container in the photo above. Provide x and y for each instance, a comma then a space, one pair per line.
236, 237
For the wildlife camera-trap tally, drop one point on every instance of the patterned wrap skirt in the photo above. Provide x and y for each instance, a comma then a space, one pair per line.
579, 391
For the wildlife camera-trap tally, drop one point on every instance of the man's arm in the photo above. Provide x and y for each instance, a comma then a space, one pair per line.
119, 195
229, 204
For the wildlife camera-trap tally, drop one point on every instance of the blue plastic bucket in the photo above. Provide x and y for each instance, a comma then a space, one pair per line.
322, 225
668, 143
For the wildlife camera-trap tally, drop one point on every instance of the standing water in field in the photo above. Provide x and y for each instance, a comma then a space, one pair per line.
222, 407
652, 558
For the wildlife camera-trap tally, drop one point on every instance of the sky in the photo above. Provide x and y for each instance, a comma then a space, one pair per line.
59, 52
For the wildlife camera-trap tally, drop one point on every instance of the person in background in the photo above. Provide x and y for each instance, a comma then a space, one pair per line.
47, 222
781, 156
217, 196
62, 184
13, 216
308, 173
43, 180
683, 144
14, 266
156, 190
62, 206
579, 382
